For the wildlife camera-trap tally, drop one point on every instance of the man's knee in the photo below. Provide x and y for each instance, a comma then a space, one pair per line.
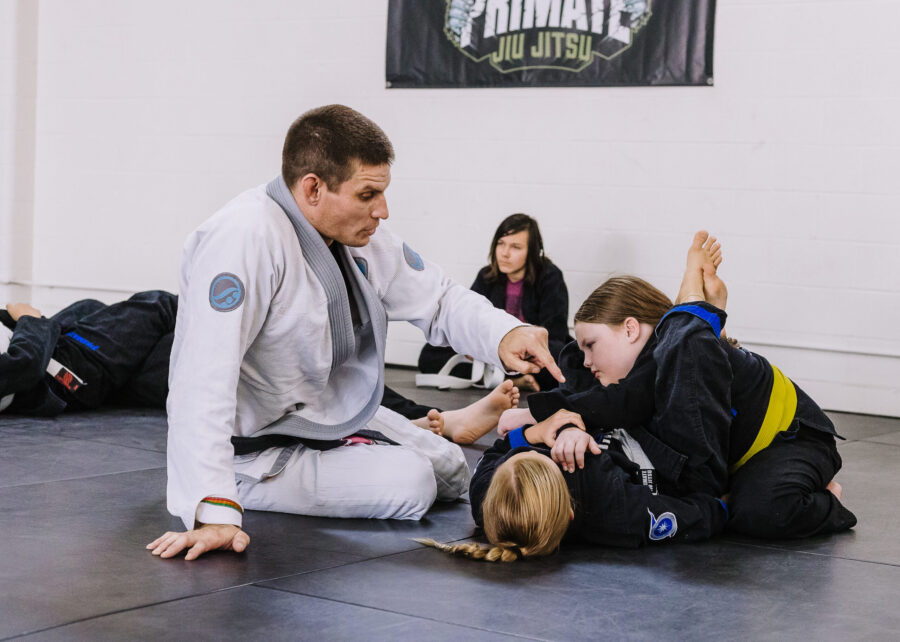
393, 482
452, 474
415, 487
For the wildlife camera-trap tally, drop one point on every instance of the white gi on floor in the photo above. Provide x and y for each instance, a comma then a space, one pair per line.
379, 481
264, 344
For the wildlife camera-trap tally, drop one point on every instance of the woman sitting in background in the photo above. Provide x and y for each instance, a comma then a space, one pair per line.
524, 282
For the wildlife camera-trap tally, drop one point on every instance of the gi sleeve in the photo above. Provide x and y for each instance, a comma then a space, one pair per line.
627, 403
693, 395
619, 512
418, 291
31, 346
229, 275
484, 472
7, 320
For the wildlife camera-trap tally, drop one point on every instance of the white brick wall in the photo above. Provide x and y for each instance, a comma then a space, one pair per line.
18, 56
151, 115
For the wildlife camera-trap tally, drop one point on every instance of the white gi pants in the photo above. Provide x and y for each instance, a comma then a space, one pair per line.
362, 480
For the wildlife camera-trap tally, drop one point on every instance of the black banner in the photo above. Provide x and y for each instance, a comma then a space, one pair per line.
549, 43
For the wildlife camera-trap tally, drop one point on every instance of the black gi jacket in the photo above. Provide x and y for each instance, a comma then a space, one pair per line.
612, 507
23, 367
693, 401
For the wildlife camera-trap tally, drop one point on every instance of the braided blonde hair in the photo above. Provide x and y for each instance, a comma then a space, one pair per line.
527, 509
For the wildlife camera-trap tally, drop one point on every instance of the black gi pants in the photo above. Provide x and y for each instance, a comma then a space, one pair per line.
780, 492
403, 406
433, 358
121, 351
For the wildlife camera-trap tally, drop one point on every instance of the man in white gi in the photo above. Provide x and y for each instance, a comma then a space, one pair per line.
278, 360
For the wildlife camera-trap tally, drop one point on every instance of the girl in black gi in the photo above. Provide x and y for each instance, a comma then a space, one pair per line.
86, 355
716, 421
524, 282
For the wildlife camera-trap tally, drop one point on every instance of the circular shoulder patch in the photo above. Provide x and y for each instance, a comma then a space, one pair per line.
413, 260
226, 292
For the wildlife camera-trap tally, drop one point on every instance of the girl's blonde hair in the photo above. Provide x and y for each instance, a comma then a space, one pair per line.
621, 297
526, 511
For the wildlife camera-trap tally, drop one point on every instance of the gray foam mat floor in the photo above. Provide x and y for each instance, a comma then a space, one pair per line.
80, 496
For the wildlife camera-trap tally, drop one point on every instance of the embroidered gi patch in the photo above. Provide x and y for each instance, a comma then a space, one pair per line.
226, 292
663, 526
413, 260
362, 264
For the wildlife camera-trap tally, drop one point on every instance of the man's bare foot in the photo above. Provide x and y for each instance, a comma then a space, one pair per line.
526, 383
467, 425
433, 421
714, 288
834, 488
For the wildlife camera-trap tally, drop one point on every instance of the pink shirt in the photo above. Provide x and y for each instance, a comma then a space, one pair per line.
514, 298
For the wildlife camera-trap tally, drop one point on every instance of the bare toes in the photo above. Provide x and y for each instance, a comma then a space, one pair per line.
700, 238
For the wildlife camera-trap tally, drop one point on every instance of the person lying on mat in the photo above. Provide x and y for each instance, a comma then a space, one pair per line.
733, 443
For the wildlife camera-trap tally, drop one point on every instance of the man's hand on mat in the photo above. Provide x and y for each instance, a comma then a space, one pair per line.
524, 349
570, 446
209, 537
18, 310
545, 431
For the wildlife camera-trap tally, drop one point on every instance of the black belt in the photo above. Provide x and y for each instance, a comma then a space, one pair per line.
247, 445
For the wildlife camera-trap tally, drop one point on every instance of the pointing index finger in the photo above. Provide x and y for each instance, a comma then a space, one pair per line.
543, 358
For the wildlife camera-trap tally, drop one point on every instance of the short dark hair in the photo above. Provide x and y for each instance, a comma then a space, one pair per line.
534, 260
326, 141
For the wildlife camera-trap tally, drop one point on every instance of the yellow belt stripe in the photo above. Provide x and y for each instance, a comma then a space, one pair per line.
779, 415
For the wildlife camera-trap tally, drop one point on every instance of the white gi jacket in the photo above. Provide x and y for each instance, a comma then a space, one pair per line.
236, 370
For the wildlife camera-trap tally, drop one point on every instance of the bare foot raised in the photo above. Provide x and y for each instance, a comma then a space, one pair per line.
467, 425
433, 421
526, 383
705, 252
714, 288
691, 288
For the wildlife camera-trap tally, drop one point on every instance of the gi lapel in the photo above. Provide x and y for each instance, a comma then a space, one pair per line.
316, 253
323, 265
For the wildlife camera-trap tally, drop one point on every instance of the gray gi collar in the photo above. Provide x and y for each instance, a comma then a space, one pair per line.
320, 259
